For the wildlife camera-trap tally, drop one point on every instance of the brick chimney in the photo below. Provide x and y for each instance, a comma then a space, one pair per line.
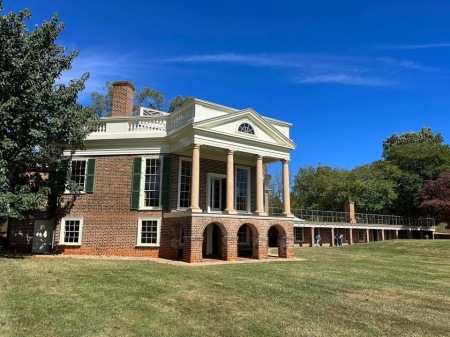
350, 212
122, 99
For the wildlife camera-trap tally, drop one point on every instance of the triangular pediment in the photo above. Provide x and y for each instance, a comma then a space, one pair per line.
240, 124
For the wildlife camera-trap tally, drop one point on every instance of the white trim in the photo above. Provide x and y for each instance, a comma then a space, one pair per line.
142, 185
209, 176
69, 174
248, 210
181, 159
62, 231
139, 232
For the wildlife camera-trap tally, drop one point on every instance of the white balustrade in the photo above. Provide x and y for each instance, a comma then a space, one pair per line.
147, 125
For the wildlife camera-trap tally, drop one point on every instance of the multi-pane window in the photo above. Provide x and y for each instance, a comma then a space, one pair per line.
242, 189
78, 173
185, 183
298, 234
361, 235
152, 182
242, 234
71, 231
246, 128
148, 232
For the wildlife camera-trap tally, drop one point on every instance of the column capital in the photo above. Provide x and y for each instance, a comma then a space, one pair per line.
285, 161
229, 151
197, 145
259, 156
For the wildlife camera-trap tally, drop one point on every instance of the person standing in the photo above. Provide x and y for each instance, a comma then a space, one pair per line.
340, 239
318, 239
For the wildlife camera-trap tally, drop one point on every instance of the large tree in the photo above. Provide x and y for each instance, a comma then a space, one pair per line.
435, 197
147, 97
371, 187
39, 115
420, 156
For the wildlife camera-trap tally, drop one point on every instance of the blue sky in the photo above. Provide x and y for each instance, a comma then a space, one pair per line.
347, 74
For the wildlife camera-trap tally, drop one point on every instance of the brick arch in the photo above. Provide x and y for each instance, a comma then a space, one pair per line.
282, 240
254, 227
224, 239
252, 247
217, 221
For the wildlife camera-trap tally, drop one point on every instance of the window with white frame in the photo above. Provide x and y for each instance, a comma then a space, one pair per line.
242, 178
243, 235
148, 232
298, 234
361, 235
78, 170
71, 229
246, 128
184, 183
152, 182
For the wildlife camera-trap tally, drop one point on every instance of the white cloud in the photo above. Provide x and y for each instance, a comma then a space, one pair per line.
101, 68
310, 68
345, 79
272, 60
418, 46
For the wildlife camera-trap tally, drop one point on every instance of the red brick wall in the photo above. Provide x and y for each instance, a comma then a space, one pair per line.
109, 226
122, 102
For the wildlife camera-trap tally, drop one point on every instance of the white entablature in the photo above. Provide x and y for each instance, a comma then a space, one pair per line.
199, 121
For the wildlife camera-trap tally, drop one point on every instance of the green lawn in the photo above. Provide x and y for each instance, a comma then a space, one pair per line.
395, 288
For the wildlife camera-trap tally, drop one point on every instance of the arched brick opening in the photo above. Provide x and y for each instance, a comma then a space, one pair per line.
215, 241
247, 241
276, 237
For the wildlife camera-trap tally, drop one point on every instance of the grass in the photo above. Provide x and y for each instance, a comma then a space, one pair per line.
391, 288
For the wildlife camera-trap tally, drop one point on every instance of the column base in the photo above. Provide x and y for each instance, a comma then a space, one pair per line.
260, 213
231, 211
287, 215
195, 210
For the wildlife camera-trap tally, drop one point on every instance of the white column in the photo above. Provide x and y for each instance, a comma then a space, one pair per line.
259, 186
286, 192
195, 179
230, 183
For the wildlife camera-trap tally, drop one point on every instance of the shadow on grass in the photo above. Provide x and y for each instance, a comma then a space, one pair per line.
4, 254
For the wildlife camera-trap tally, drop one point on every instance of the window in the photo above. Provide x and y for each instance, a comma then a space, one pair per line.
82, 173
78, 173
184, 183
148, 232
387, 235
243, 234
242, 189
246, 128
361, 235
216, 192
71, 229
298, 234
152, 182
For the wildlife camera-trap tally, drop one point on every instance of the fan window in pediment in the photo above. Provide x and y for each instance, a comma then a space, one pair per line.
246, 128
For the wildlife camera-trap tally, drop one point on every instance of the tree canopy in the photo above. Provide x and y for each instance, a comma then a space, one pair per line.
147, 97
371, 187
390, 185
39, 115
435, 197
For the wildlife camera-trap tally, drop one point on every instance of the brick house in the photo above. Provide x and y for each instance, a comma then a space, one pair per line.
186, 185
